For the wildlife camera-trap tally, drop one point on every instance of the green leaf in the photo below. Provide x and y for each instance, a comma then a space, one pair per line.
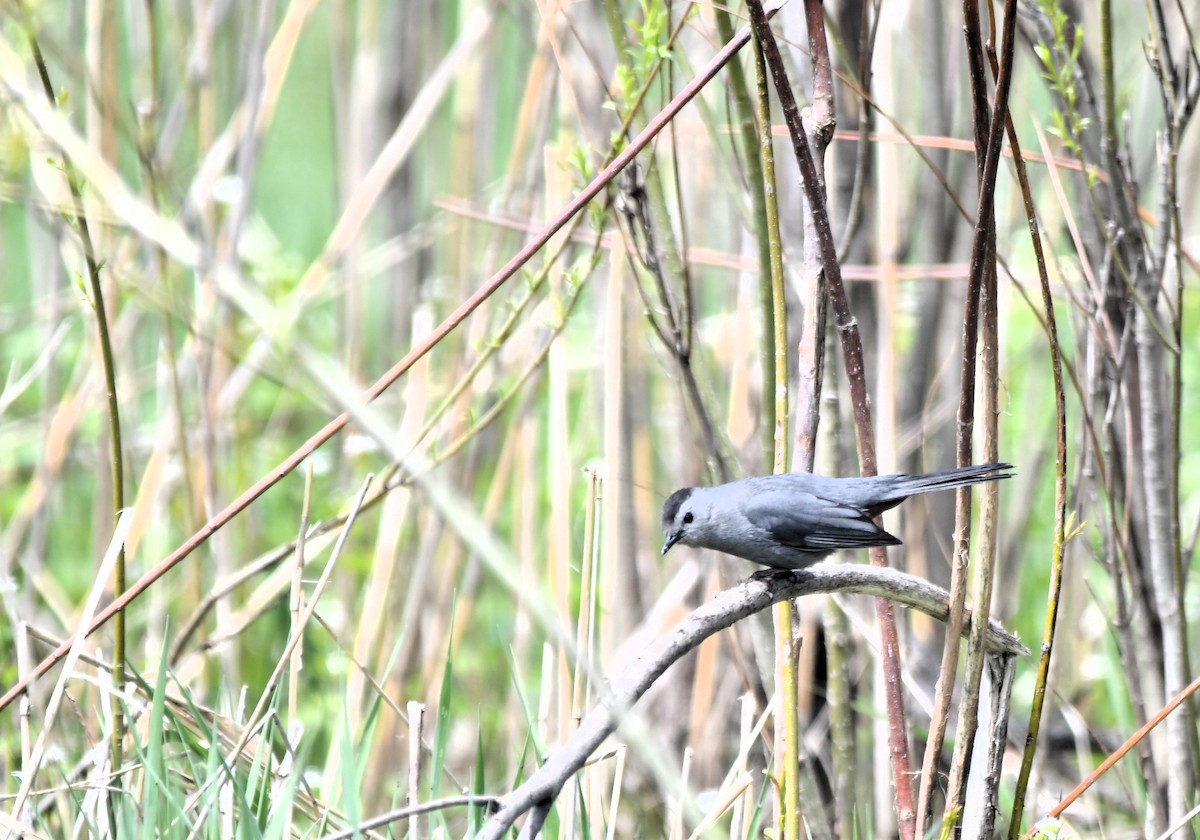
476, 813
442, 727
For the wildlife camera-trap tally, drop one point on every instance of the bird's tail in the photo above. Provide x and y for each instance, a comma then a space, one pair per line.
903, 486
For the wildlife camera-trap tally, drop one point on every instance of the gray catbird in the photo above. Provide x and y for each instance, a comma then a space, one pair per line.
792, 520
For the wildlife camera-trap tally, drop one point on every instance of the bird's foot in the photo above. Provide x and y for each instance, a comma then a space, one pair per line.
769, 574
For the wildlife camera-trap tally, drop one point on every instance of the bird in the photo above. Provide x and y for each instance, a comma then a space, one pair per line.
793, 520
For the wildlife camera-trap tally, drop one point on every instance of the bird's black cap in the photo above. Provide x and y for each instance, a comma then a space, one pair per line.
672, 505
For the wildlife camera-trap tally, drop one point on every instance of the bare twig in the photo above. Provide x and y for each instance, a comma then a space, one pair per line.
983, 278
989, 129
403, 814
1060, 467
116, 448
775, 417
755, 154
1133, 740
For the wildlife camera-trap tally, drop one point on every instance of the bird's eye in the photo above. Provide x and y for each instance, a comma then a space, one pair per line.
687, 518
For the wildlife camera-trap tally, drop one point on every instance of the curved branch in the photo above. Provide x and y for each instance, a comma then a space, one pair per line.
727, 607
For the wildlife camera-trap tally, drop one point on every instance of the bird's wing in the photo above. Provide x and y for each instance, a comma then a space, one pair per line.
806, 521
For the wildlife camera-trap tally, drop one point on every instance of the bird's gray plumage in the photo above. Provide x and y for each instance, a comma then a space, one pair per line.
792, 520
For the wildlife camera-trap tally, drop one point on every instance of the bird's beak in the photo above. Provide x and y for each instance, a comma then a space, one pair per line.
671, 540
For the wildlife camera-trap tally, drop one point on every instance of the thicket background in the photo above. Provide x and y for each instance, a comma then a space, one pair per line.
283, 199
